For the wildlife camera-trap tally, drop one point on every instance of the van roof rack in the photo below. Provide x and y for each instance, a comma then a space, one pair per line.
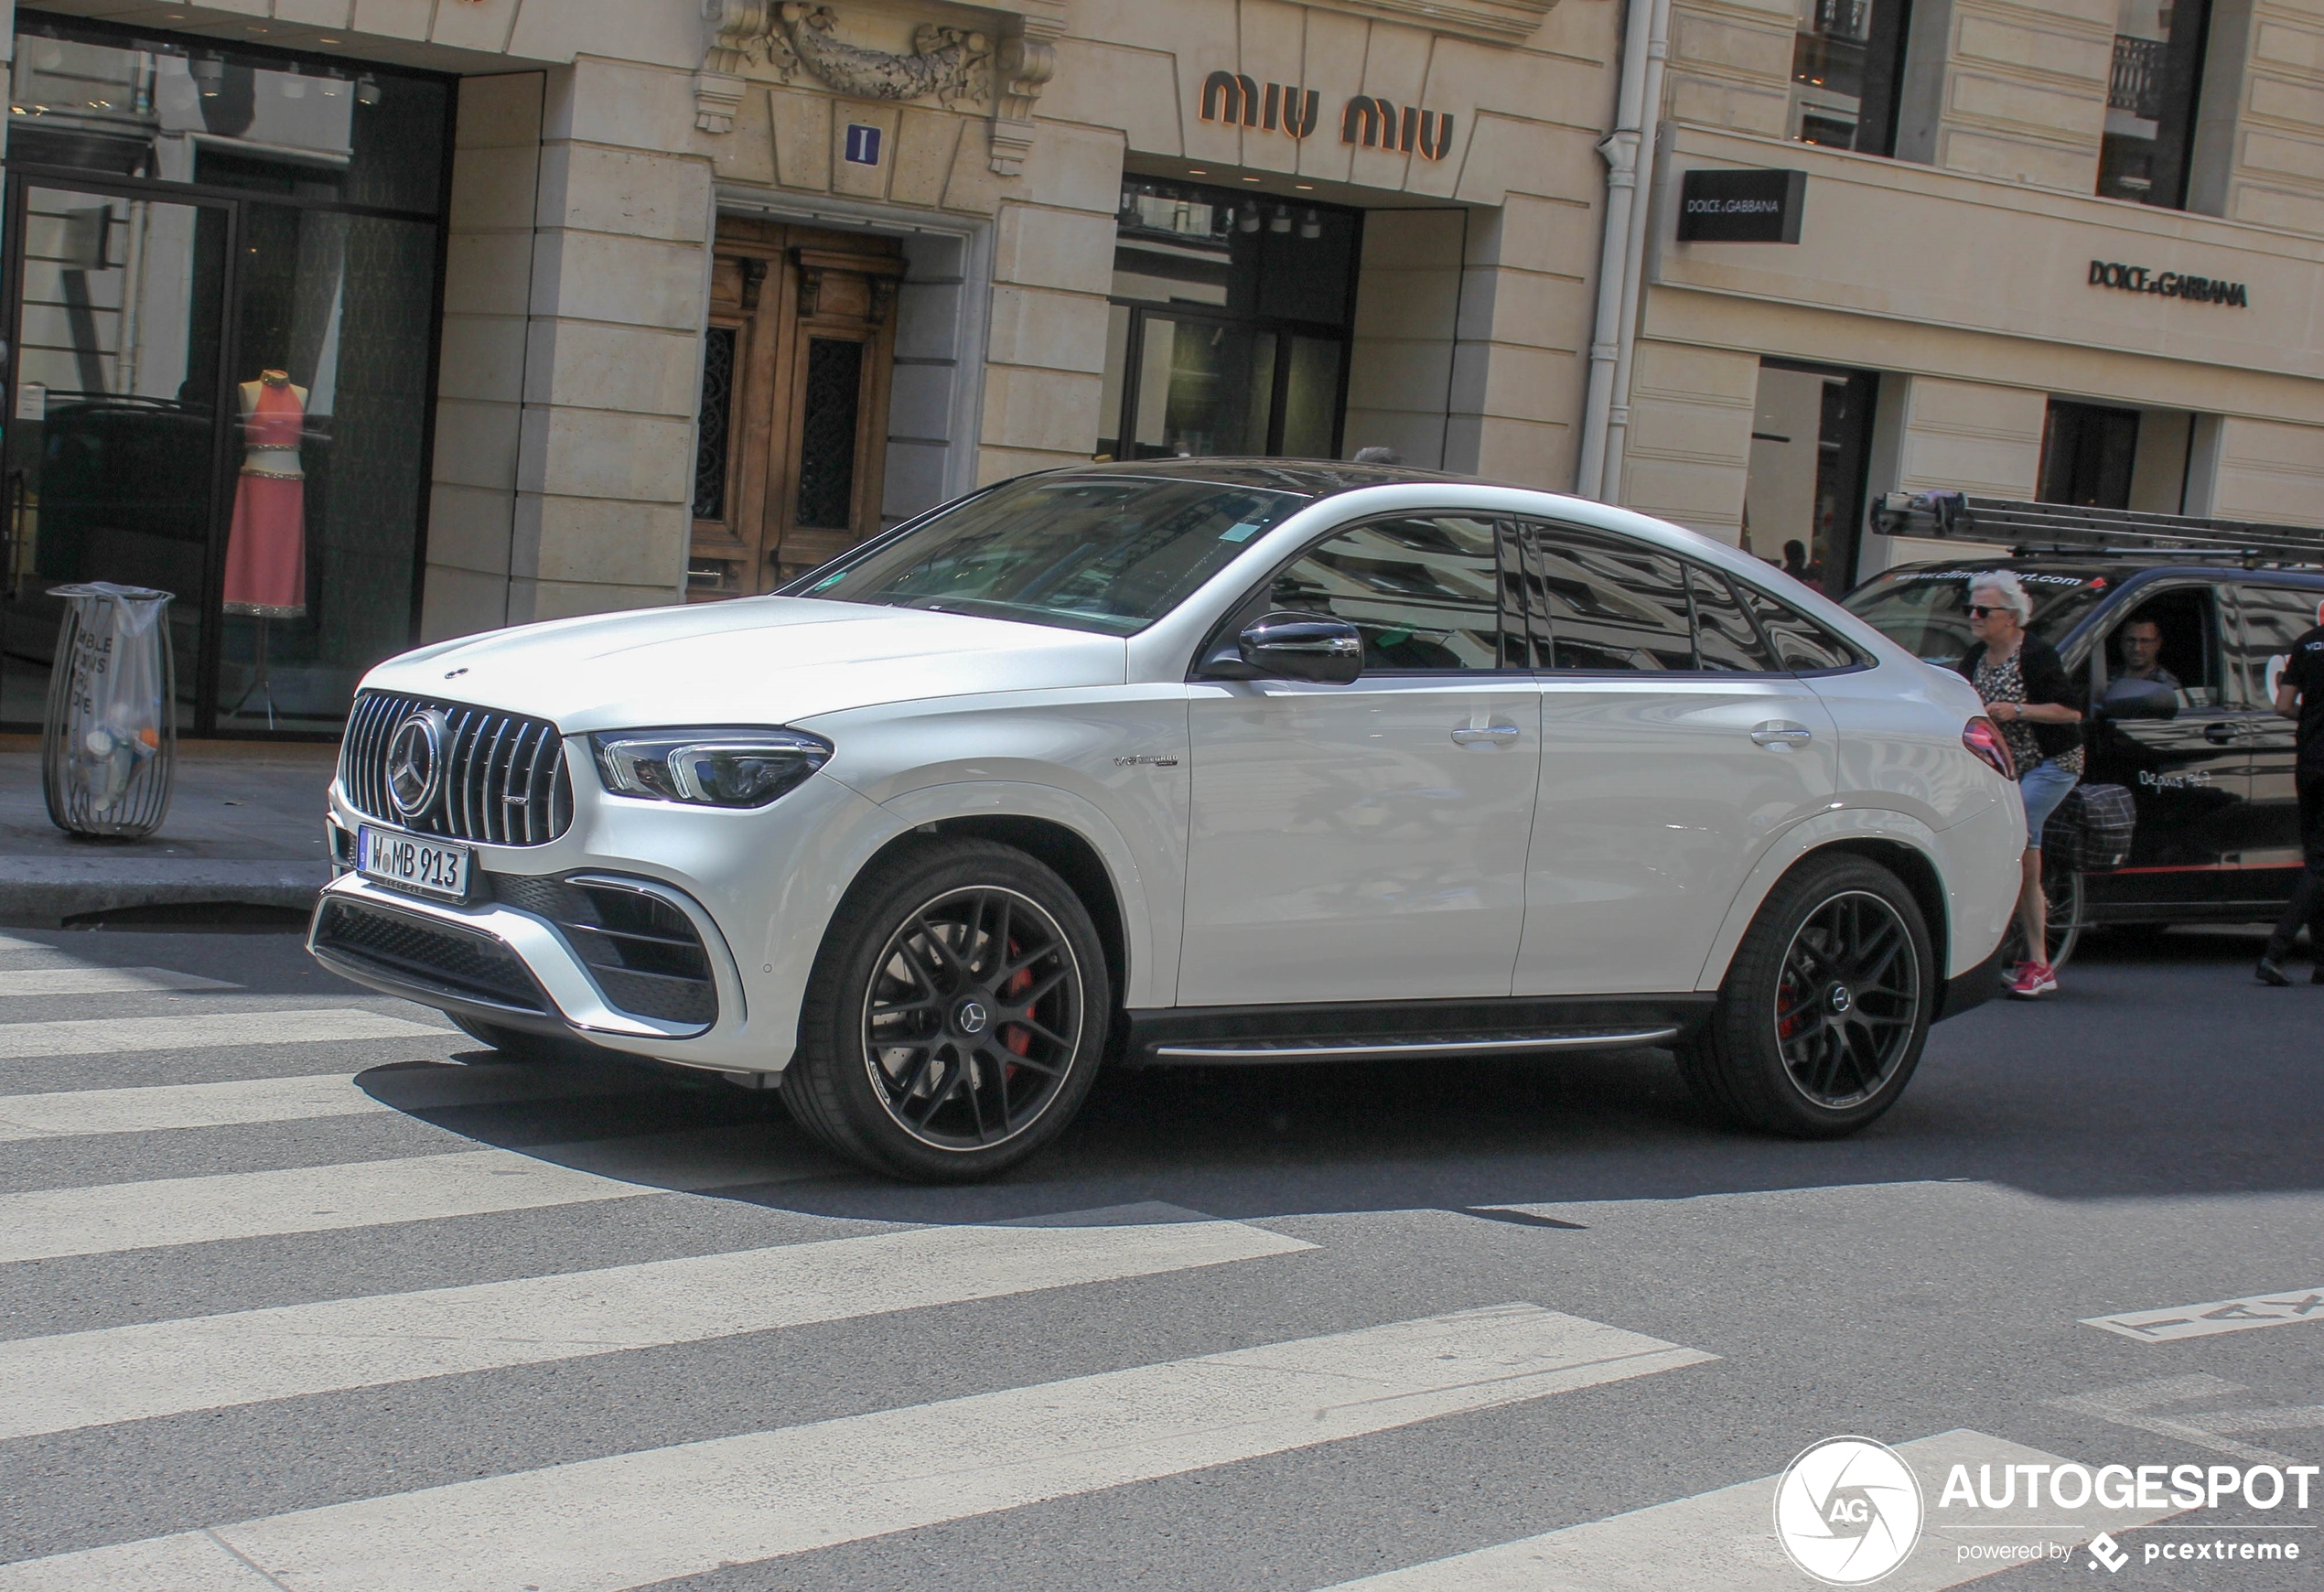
2065, 528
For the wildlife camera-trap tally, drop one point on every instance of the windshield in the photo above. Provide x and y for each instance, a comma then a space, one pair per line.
1925, 609
1088, 552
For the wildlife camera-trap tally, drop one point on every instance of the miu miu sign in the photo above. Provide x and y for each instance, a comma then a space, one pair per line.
1368, 120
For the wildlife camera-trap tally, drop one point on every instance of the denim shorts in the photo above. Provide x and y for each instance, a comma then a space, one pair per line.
2043, 786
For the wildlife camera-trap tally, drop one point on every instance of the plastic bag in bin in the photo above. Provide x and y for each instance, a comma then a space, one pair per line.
109, 745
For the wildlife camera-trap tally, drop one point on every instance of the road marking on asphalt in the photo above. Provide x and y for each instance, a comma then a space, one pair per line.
420, 1087
110, 1217
2132, 1406
10, 942
1726, 1538
598, 1525
127, 1373
2167, 1326
68, 981
107, 1035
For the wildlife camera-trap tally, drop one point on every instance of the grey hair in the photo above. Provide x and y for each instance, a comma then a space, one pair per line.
2011, 589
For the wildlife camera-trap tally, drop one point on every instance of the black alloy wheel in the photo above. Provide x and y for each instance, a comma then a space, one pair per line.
1849, 1000
973, 1018
1826, 1005
956, 1016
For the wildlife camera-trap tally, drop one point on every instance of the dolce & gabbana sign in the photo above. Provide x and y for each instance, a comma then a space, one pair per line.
2169, 284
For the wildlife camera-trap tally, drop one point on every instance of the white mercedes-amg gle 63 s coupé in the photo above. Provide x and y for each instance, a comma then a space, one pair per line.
1193, 761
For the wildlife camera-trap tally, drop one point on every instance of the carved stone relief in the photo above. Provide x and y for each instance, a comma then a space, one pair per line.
957, 67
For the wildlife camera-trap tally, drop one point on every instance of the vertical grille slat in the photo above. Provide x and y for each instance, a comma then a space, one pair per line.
504, 782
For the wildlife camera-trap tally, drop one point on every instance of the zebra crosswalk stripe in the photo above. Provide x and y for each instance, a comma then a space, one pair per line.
234, 1102
600, 1525
71, 980
1726, 1539
109, 1218
109, 1036
126, 1373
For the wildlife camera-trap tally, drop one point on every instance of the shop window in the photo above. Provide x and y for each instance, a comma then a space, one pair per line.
2150, 101
1803, 499
1229, 324
224, 285
1847, 62
2089, 454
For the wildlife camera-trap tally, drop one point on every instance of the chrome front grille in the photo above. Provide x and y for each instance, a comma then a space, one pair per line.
503, 781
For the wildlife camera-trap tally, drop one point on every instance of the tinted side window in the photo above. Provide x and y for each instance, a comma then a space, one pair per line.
1801, 646
1724, 638
1612, 605
2274, 617
1423, 591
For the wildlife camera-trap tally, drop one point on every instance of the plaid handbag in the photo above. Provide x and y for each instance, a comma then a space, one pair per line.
2092, 828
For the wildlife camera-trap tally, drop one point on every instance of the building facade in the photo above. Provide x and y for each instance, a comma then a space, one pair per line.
2070, 250
363, 322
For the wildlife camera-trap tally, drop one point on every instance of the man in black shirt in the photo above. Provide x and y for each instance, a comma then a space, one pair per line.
2300, 696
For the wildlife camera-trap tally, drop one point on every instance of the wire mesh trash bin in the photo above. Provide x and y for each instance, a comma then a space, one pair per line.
109, 743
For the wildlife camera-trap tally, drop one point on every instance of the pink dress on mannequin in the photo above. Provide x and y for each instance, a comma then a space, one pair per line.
267, 547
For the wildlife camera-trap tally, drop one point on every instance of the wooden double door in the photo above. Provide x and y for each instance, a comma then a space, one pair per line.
796, 371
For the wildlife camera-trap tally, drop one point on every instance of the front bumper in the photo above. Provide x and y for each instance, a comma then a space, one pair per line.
497, 963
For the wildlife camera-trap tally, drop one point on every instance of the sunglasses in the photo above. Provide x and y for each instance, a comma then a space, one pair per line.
1982, 611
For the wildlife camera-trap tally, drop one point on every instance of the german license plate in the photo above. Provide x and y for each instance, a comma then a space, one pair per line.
432, 867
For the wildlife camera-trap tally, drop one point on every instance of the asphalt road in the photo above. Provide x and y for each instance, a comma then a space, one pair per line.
300, 1289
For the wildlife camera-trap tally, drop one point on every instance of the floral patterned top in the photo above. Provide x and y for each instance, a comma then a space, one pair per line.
2007, 683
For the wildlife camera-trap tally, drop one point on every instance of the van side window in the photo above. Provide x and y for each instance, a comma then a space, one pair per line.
2174, 634
2274, 617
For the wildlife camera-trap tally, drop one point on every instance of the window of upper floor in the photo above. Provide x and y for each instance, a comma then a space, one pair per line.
2151, 101
1847, 68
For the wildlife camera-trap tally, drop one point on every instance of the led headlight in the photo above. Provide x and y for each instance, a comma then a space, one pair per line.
710, 768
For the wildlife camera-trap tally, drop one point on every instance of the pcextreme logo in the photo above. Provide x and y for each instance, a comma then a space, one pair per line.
1848, 1510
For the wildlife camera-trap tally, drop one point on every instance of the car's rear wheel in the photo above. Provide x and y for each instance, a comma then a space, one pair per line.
956, 1014
1827, 1005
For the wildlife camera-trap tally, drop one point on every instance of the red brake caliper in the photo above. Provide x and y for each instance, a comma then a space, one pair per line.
1014, 1038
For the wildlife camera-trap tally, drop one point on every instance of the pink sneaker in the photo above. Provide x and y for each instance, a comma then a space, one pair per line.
2034, 978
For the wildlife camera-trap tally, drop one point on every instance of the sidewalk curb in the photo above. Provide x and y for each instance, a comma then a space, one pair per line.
41, 892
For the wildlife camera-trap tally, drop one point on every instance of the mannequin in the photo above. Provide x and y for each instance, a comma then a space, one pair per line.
266, 546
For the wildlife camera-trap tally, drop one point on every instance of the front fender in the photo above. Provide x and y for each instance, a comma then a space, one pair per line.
1150, 919
1814, 832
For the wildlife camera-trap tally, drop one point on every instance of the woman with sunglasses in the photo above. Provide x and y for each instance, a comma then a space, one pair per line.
2032, 700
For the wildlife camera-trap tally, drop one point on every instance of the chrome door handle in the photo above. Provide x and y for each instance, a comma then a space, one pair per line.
2219, 732
1778, 732
1499, 735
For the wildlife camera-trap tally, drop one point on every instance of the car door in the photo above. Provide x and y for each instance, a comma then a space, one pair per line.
2190, 776
1367, 842
2267, 849
1673, 752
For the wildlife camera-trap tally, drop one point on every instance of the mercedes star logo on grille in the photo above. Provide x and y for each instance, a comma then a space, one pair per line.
416, 762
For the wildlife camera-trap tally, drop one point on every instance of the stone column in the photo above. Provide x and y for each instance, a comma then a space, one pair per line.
1934, 435
612, 365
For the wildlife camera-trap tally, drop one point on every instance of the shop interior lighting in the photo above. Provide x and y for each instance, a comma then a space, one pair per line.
208, 71
1311, 225
367, 89
1247, 219
1280, 221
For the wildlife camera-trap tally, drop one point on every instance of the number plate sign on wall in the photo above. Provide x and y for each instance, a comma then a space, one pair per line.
863, 143
1741, 207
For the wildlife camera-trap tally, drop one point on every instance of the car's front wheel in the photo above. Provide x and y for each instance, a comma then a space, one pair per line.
1827, 1005
956, 1014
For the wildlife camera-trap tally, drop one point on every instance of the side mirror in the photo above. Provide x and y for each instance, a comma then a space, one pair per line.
2139, 699
1290, 646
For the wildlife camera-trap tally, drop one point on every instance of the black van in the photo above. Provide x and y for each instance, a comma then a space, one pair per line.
2210, 765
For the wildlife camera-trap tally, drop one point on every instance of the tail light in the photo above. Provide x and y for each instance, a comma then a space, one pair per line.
1980, 736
